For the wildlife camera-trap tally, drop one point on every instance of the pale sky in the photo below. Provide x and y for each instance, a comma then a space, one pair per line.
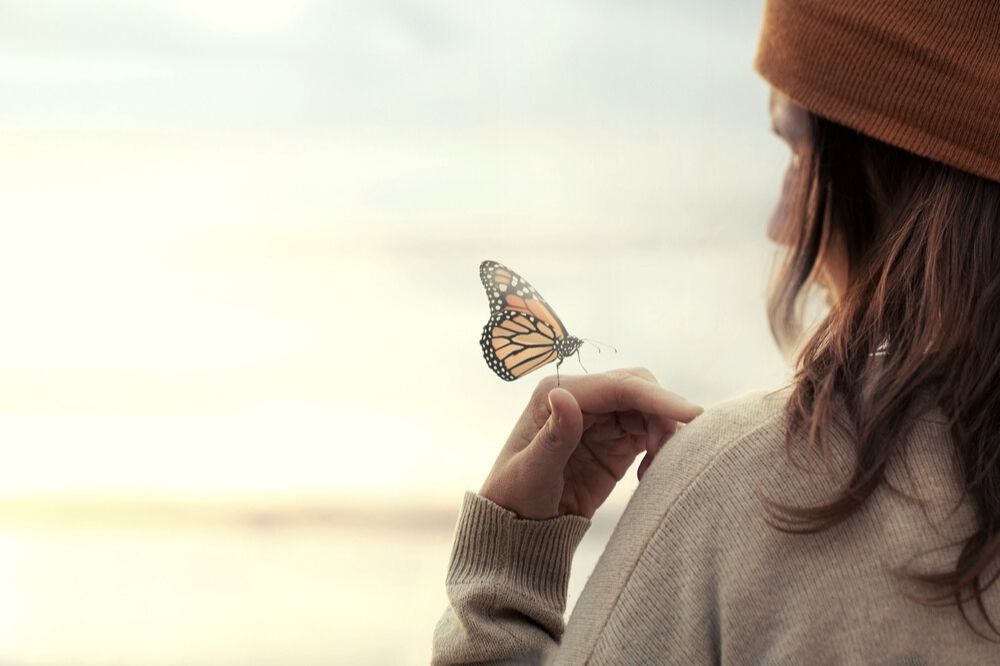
241, 240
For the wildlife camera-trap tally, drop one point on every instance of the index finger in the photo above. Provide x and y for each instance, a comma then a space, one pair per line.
614, 392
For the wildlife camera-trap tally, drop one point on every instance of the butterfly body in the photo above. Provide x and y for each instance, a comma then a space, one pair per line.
523, 332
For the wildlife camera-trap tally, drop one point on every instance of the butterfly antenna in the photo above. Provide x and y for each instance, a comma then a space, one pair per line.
598, 344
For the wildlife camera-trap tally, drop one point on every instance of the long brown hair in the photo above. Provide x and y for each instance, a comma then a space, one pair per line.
920, 314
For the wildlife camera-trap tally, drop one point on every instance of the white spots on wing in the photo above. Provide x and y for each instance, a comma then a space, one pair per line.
497, 287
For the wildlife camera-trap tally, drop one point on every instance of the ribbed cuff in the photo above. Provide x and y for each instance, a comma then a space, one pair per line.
525, 556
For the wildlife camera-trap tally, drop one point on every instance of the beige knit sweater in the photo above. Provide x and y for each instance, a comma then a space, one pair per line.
693, 575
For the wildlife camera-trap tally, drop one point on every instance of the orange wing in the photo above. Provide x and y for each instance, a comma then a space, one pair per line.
509, 291
515, 343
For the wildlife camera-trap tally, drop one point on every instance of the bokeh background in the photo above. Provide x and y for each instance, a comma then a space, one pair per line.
241, 389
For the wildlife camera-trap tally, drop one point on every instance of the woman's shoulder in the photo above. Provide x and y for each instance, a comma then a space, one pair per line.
747, 427
741, 415
739, 449
693, 496
712, 471
709, 469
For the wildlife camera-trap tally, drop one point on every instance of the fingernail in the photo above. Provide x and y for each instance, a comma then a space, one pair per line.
552, 410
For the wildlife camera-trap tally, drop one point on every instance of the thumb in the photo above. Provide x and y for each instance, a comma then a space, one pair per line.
559, 437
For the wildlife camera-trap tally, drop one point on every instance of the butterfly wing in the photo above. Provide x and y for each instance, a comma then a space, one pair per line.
509, 291
515, 343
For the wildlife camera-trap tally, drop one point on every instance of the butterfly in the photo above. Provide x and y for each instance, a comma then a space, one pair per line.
523, 332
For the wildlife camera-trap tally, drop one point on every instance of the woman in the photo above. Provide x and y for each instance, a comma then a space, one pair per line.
852, 517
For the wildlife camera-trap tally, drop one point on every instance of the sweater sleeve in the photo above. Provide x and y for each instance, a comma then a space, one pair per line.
506, 586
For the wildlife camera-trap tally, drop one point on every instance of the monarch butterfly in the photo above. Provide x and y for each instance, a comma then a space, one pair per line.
523, 332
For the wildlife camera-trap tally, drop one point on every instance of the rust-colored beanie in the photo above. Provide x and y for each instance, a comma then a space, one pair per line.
922, 75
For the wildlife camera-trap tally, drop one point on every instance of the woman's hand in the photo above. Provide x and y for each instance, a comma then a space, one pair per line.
573, 444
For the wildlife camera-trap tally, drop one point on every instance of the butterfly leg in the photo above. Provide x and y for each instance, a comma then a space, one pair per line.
558, 363
580, 359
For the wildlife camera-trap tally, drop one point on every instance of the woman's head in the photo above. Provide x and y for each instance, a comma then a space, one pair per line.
908, 251
891, 204
908, 247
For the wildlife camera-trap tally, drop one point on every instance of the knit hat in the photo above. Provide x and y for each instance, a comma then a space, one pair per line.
922, 75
